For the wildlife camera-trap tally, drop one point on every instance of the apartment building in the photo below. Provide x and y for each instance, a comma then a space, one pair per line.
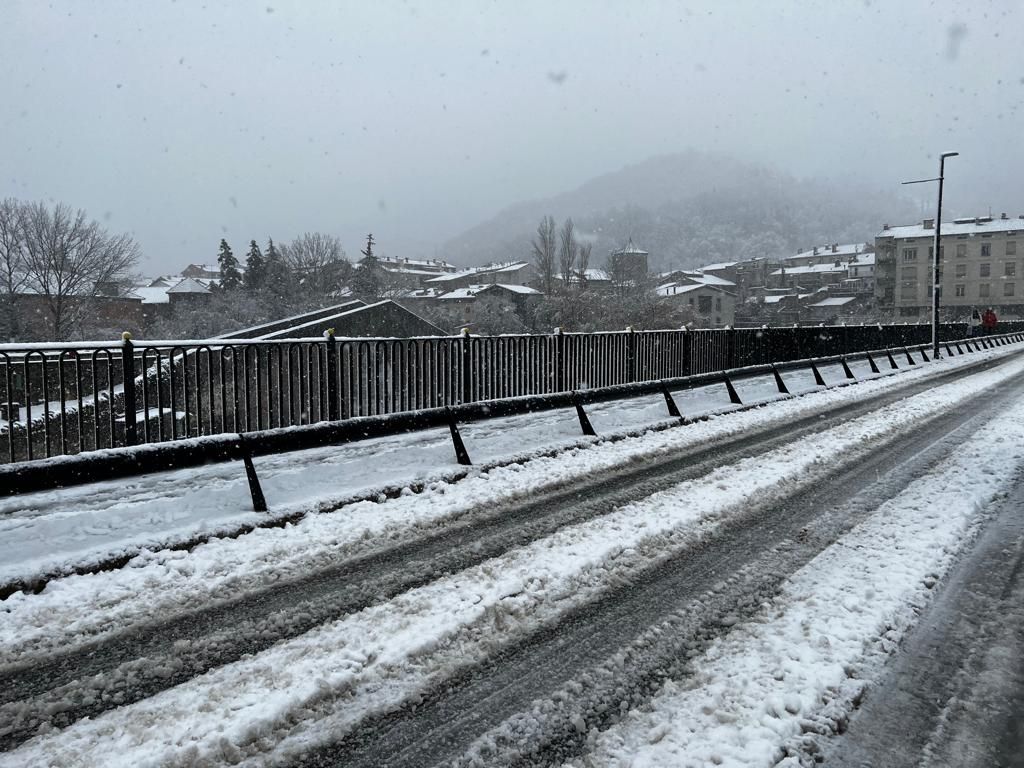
980, 266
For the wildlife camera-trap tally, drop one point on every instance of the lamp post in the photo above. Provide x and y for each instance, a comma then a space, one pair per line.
936, 273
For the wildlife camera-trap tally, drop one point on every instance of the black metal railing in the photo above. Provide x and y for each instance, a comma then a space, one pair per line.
58, 399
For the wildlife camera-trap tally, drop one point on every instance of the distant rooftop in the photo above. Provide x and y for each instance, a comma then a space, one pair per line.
189, 285
511, 266
834, 301
831, 249
812, 269
967, 226
630, 249
473, 290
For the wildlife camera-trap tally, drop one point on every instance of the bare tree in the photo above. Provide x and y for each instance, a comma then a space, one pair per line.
568, 249
544, 246
584, 264
317, 260
12, 265
68, 261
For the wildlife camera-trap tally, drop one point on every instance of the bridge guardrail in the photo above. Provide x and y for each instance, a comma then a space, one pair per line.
115, 463
59, 399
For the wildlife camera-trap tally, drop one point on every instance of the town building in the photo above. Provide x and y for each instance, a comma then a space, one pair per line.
980, 266
486, 307
711, 305
628, 265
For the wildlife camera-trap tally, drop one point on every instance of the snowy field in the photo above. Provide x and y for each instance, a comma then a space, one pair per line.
796, 665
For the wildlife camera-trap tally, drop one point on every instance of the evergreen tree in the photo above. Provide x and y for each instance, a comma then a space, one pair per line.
277, 279
255, 268
368, 280
230, 276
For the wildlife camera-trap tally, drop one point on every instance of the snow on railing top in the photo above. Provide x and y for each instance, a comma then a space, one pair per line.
116, 345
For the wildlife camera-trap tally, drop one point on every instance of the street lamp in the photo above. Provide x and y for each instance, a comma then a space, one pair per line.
936, 285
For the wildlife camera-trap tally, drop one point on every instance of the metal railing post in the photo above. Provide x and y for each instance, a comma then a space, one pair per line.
559, 360
467, 372
631, 364
730, 347
687, 352
333, 405
131, 435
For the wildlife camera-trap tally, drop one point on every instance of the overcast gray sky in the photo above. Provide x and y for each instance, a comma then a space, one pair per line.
184, 122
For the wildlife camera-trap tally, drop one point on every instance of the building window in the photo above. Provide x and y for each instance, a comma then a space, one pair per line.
961, 250
983, 290
961, 270
984, 270
718, 305
704, 305
1007, 289
910, 273
910, 254
691, 301
1011, 247
931, 251
960, 289
986, 250
1010, 269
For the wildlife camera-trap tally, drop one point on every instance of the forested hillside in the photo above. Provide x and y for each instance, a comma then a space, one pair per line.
693, 208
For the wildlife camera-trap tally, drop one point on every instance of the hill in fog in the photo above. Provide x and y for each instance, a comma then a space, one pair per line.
689, 209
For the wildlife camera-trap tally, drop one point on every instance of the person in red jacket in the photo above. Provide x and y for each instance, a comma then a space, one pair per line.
989, 320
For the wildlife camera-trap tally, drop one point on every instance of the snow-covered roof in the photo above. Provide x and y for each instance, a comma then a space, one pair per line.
490, 269
161, 281
674, 289
719, 265
151, 294
841, 249
700, 277
813, 268
512, 266
407, 271
462, 293
834, 301
523, 289
775, 299
473, 290
437, 264
189, 285
630, 249
978, 225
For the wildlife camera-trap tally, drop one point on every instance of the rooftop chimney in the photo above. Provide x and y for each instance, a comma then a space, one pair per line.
928, 223
815, 252
835, 247
1003, 216
885, 227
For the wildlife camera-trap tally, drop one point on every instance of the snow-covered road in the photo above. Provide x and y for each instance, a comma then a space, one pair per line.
708, 594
